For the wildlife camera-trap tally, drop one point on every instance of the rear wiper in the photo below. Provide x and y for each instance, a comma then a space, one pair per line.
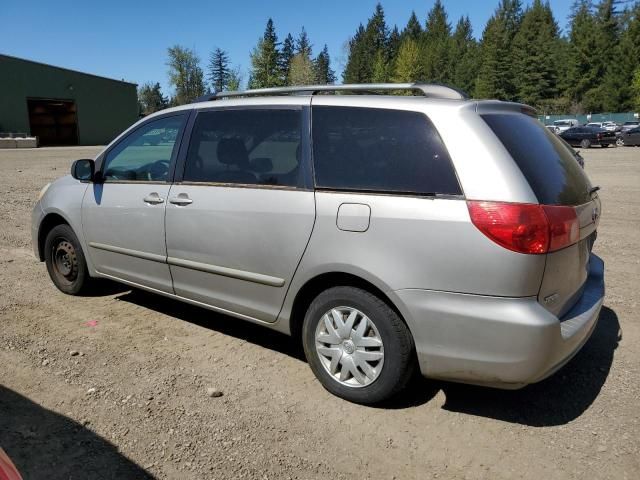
593, 190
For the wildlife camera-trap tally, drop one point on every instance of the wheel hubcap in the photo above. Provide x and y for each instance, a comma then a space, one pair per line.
65, 261
349, 347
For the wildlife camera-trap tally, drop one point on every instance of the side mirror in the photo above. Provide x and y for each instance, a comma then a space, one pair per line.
83, 170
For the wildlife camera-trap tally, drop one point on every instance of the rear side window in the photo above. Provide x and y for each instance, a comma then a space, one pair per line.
547, 163
252, 147
379, 150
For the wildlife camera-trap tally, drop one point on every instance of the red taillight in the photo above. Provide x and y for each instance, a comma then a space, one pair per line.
564, 228
525, 227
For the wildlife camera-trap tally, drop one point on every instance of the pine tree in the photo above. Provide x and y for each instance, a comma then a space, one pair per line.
413, 30
381, 68
364, 47
265, 60
150, 98
495, 76
286, 55
608, 27
235, 79
303, 45
355, 70
436, 65
302, 71
407, 65
322, 68
219, 70
464, 56
393, 45
584, 72
635, 90
533, 51
628, 56
185, 74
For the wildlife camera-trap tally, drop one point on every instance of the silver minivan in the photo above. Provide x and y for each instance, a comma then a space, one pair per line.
388, 234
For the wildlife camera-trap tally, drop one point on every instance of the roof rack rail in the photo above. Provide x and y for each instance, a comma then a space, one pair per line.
432, 90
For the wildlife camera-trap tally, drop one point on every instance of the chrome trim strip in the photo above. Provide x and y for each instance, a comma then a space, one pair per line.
202, 267
132, 253
227, 272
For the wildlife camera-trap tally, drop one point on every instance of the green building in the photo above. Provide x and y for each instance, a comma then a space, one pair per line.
61, 106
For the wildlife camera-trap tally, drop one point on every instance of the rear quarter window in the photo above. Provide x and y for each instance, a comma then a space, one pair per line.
380, 150
546, 162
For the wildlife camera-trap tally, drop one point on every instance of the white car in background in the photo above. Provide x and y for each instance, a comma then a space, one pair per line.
608, 126
565, 124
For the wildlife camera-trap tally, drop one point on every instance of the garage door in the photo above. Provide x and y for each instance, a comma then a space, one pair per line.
54, 122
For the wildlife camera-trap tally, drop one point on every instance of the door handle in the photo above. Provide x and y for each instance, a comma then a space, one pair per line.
181, 199
153, 198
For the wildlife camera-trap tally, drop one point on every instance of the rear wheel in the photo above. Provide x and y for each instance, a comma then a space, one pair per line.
586, 143
620, 142
65, 261
357, 346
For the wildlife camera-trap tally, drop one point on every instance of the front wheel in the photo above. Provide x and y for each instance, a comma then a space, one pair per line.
65, 261
620, 142
586, 143
357, 346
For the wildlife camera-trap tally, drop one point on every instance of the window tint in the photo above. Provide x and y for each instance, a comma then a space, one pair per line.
145, 154
260, 147
548, 165
380, 150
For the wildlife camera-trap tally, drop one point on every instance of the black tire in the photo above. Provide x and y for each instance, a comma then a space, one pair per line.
586, 143
399, 354
65, 261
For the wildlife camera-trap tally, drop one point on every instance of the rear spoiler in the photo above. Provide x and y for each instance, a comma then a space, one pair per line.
497, 106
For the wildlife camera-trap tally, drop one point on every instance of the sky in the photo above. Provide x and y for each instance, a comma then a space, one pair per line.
129, 39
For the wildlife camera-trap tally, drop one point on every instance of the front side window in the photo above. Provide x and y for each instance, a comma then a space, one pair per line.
252, 146
380, 150
145, 154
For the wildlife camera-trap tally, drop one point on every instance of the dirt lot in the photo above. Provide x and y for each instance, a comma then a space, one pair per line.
132, 403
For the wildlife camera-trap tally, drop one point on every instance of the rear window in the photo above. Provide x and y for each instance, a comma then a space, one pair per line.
380, 150
547, 163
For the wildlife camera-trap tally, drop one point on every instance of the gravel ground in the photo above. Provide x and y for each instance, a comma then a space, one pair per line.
115, 386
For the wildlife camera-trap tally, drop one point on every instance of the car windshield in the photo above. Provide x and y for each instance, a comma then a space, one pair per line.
562, 123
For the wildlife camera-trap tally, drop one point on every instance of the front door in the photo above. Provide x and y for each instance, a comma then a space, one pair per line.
123, 216
241, 216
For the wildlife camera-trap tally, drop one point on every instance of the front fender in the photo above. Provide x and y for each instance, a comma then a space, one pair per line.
63, 198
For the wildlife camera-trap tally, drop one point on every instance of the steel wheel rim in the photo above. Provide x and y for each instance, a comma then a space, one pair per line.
349, 347
65, 261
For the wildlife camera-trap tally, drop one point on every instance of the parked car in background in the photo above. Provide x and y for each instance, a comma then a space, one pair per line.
630, 138
630, 125
359, 224
552, 129
565, 124
586, 137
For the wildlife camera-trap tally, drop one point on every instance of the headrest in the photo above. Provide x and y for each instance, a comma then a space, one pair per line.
231, 151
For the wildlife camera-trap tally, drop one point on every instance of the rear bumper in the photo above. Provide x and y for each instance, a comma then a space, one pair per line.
498, 341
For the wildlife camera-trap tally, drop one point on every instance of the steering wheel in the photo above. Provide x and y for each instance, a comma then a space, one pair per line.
159, 170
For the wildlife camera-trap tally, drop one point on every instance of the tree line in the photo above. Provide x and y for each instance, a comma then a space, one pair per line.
522, 56
273, 64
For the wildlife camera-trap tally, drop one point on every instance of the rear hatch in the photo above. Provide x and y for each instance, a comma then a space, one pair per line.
557, 180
